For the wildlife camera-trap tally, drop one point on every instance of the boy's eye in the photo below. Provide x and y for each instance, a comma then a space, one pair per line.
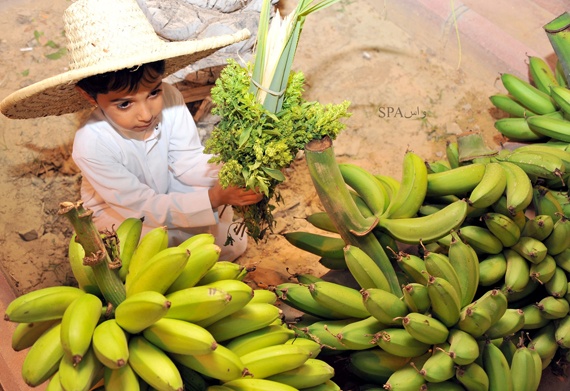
123, 105
155, 92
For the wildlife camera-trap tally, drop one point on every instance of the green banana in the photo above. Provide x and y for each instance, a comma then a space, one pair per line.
43, 358
548, 148
528, 95
375, 365
383, 305
179, 336
452, 153
552, 127
251, 317
538, 226
79, 376
465, 261
253, 384
559, 238
358, 334
416, 297
562, 332
545, 344
364, 269
492, 269
457, 181
553, 307
299, 297
533, 317
153, 365
272, 360
329, 247
542, 75
128, 233
496, 303
223, 270
399, 342
425, 328
264, 296
497, 368
543, 271
322, 221
311, 373
326, 333
149, 245
439, 367
490, 188
474, 319
110, 344
413, 186
429, 228
77, 325
531, 249
481, 239
506, 103
511, 322
439, 265
366, 185
197, 303
139, 311
158, 272
517, 275
518, 129
503, 227
473, 377
339, 298
412, 266
221, 364
313, 347
561, 96
463, 347
524, 370
202, 260
519, 188
408, 377
537, 164
445, 301
82, 273
123, 378
267, 336
438, 166
26, 334
42, 304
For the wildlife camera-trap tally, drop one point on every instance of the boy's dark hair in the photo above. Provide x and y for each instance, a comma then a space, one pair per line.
119, 80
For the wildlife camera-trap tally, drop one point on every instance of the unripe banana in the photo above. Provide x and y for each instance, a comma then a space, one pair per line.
445, 301
311, 373
375, 365
42, 304
542, 75
553, 307
439, 367
43, 358
457, 181
492, 269
158, 272
563, 260
438, 166
543, 271
428, 228
139, 311
533, 250
82, 273
465, 261
299, 297
253, 384
506, 103
26, 334
463, 347
557, 286
128, 236
366, 186
221, 364
149, 245
267, 336
111, 344
399, 342
537, 164
490, 188
123, 378
201, 260
153, 365
528, 95
544, 343
559, 239
533, 317
481, 239
562, 332
413, 186
545, 203
519, 188
438, 265
339, 298
193, 381
79, 376
549, 126
497, 368
223, 270
327, 333
330, 247
358, 335
474, 319
495, 301
197, 303
408, 377
503, 227
473, 377
538, 227
413, 267
179, 336
511, 322
364, 269
253, 316
517, 275
54, 384
517, 129
425, 328
523, 370
385, 306
416, 297
77, 325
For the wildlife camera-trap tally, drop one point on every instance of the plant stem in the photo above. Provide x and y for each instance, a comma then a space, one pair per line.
96, 254
338, 203
558, 32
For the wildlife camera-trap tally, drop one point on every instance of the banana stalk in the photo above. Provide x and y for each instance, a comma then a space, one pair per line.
96, 254
558, 32
471, 146
338, 203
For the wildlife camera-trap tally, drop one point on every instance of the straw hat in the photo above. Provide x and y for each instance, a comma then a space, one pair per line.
104, 36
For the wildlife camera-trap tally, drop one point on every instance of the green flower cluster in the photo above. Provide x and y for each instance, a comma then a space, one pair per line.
254, 144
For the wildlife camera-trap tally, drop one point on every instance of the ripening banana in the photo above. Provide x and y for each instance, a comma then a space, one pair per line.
553, 307
525, 372
313, 347
110, 344
543, 271
54, 384
358, 335
517, 129
439, 367
413, 267
528, 95
311, 373
271, 335
77, 325
562, 332
533, 317
153, 365
375, 365
563, 260
492, 269
531, 249
128, 233
179, 336
201, 260
385, 306
364, 269
272, 360
519, 188
445, 300
557, 286
517, 275
503, 227
490, 188
82, 273
139, 311
496, 303
196, 242
559, 238
457, 181
472, 377
538, 226
542, 75
416, 297
123, 378
149, 245
223, 270
299, 297
399, 342
413, 186
253, 384
474, 319
264, 296
506, 103
340, 298
366, 185
465, 261
241, 294
222, 363
544, 343
497, 368
42, 304
425, 328
463, 347
438, 265
428, 228
550, 126
43, 358
158, 272
511, 322
26, 334
197, 303
408, 377
80, 376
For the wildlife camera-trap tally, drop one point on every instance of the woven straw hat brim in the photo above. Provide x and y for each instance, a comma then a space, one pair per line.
57, 95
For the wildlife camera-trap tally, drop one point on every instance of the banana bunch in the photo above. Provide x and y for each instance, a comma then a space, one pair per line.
189, 321
538, 109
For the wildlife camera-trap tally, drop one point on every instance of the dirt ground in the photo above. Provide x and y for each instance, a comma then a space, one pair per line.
390, 60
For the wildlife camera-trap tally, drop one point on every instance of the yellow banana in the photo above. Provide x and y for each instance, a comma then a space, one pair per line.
26, 334
253, 384
149, 245
197, 303
240, 292
54, 384
153, 365
179, 336
43, 358
490, 188
264, 296
77, 325
128, 236
196, 242
123, 378
267, 336
272, 360
311, 373
82, 273
223, 270
221, 364
111, 344
139, 311
79, 376
201, 260
528, 95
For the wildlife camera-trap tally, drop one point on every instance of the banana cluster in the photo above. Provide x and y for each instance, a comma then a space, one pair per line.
188, 322
482, 252
538, 110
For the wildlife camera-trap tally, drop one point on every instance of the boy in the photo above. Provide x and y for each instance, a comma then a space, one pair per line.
139, 151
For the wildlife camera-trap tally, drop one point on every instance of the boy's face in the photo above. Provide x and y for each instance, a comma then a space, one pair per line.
137, 111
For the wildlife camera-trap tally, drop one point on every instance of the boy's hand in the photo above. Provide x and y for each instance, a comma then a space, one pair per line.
232, 195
